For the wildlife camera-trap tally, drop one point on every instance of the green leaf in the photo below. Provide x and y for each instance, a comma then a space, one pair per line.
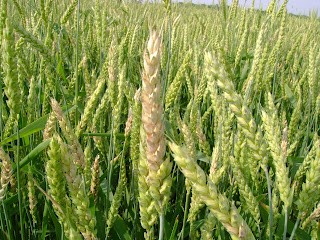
57, 225
300, 234
45, 221
121, 229
33, 154
34, 127
174, 230
290, 95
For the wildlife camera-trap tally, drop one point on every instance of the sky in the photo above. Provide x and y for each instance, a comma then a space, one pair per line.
294, 6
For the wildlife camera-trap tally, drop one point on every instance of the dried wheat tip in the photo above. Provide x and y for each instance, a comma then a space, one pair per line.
115, 159
214, 161
128, 123
137, 95
6, 171
152, 123
13, 183
95, 177
314, 216
318, 105
32, 197
151, 104
50, 127
203, 143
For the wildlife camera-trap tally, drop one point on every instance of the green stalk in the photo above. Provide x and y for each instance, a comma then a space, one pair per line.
285, 224
295, 228
185, 215
19, 184
77, 59
161, 226
164, 87
1, 219
7, 222
270, 201
1, 106
109, 166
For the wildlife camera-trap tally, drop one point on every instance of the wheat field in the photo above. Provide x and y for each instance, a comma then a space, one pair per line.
135, 120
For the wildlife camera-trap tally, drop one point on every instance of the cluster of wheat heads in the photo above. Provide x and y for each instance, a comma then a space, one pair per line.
203, 127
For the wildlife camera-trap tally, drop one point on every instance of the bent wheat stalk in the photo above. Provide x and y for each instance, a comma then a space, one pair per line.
218, 204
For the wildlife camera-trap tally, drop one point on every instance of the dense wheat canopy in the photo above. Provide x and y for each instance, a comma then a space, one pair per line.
128, 120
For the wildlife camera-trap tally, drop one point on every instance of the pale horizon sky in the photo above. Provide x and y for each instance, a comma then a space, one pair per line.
294, 6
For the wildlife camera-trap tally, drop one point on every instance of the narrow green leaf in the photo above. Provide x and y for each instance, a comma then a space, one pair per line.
33, 154
121, 229
174, 230
300, 234
33, 127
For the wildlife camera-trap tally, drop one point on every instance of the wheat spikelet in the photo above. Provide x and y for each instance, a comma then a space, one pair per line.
218, 204
50, 127
118, 195
32, 196
79, 197
305, 166
314, 216
113, 72
208, 227
255, 141
152, 122
6, 171
90, 106
36, 43
273, 137
10, 80
174, 88
310, 191
135, 138
148, 214
56, 182
78, 155
66, 15
95, 177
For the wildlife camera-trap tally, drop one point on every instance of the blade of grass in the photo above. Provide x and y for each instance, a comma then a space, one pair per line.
19, 184
32, 128
33, 154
